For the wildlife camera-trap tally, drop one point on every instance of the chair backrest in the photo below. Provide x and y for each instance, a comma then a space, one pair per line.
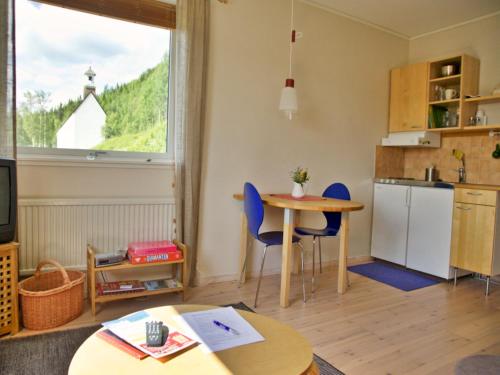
254, 209
337, 191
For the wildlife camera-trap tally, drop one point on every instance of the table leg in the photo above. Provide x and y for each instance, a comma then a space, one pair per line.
296, 250
288, 226
343, 252
243, 246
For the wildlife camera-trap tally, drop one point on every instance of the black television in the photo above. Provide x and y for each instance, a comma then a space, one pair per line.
8, 199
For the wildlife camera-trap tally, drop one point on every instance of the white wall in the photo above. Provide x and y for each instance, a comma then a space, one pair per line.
342, 77
48, 180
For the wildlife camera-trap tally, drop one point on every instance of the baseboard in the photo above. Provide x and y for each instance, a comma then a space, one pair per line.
202, 280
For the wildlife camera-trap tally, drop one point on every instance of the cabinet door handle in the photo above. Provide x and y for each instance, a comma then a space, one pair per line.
464, 208
475, 193
415, 127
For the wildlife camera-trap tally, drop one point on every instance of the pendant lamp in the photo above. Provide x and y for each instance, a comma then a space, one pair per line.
288, 101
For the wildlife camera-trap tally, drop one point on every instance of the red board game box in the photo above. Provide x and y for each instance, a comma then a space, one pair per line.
167, 256
151, 247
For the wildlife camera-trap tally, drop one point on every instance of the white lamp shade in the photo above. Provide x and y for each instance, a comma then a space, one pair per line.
288, 101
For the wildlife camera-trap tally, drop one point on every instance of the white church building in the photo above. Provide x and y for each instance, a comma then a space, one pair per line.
83, 129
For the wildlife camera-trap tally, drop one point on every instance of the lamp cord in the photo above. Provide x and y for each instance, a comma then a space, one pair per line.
291, 42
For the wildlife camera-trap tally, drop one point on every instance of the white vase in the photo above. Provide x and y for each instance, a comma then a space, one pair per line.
298, 190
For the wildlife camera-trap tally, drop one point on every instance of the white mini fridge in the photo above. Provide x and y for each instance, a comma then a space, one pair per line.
412, 227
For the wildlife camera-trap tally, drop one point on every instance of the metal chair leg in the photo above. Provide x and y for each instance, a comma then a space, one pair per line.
302, 269
314, 261
260, 275
320, 265
455, 276
487, 286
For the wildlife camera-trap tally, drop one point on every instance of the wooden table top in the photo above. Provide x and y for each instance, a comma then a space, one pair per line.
324, 204
284, 351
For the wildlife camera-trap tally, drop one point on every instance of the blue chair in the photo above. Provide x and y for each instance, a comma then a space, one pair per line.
333, 219
254, 211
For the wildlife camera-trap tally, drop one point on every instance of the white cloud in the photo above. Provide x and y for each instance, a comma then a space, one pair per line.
55, 46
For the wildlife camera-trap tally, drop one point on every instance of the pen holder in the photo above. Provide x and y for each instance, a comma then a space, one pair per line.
156, 334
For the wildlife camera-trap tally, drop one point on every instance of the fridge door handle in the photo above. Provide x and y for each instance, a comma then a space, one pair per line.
407, 197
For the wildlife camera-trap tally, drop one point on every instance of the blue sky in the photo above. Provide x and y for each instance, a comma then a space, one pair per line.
55, 46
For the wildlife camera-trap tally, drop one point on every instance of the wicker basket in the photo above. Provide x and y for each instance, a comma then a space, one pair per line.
52, 298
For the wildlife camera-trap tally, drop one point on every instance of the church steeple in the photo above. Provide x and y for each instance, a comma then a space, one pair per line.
90, 86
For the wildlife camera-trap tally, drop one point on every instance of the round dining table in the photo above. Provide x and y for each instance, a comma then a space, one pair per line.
291, 206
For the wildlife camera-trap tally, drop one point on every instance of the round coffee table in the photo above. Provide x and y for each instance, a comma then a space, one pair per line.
284, 351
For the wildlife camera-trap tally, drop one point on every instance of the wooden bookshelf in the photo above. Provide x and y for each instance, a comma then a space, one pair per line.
180, 274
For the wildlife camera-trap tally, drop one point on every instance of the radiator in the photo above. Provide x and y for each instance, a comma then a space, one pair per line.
60, 229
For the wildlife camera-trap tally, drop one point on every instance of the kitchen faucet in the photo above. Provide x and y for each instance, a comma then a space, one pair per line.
462, 177
459, 155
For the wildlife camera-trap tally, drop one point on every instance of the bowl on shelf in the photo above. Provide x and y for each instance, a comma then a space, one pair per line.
447, 70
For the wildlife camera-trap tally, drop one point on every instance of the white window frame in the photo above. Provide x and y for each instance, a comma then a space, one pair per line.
66, 155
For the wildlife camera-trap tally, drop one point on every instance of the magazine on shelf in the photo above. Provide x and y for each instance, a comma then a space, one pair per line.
132, 329
162, 284
117, 287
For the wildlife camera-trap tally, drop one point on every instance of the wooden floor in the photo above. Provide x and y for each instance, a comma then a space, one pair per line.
372, 329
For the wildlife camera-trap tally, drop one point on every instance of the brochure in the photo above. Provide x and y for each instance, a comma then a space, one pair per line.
132, 329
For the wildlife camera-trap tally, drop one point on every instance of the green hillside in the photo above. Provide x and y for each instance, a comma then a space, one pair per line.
135, 115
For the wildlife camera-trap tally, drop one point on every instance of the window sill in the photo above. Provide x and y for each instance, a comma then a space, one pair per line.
79, 161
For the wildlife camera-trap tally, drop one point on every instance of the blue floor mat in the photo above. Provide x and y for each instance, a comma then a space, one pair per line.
395, 276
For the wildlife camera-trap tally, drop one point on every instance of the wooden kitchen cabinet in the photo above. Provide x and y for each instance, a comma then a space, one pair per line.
408, 102
475, 243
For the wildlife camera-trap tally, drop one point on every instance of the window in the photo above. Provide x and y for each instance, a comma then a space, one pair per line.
91, 85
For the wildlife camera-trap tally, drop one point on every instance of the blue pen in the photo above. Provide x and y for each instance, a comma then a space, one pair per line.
226, 328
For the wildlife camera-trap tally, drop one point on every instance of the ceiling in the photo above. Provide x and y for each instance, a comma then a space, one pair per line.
412, 18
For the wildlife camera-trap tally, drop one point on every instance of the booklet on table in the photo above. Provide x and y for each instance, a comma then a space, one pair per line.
132, 329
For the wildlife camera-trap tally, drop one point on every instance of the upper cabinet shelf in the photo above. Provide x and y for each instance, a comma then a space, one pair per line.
484, 99
445, 102
452, 80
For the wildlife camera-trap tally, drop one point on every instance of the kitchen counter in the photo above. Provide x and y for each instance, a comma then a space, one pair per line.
438, 184
477, 186
410, 182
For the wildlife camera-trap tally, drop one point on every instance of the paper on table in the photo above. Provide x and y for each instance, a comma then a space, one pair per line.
215, 339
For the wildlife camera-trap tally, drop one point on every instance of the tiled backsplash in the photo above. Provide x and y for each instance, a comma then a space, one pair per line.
480, 166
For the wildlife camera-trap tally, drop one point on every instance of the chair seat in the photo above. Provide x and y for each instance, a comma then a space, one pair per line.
275, 238
326, 232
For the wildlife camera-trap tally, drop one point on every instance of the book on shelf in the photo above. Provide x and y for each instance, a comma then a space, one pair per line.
155, 258
162, 284
121, 344
117, 287
151, 247
132, 330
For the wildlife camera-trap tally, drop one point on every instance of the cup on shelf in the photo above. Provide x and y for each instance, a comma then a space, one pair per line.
450, 94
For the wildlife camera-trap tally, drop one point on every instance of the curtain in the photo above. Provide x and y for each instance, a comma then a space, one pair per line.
190, 76
7, 80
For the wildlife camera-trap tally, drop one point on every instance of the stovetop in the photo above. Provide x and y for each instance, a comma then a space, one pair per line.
413, 182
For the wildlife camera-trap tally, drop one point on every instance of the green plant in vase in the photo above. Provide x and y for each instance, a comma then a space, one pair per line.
299, 177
